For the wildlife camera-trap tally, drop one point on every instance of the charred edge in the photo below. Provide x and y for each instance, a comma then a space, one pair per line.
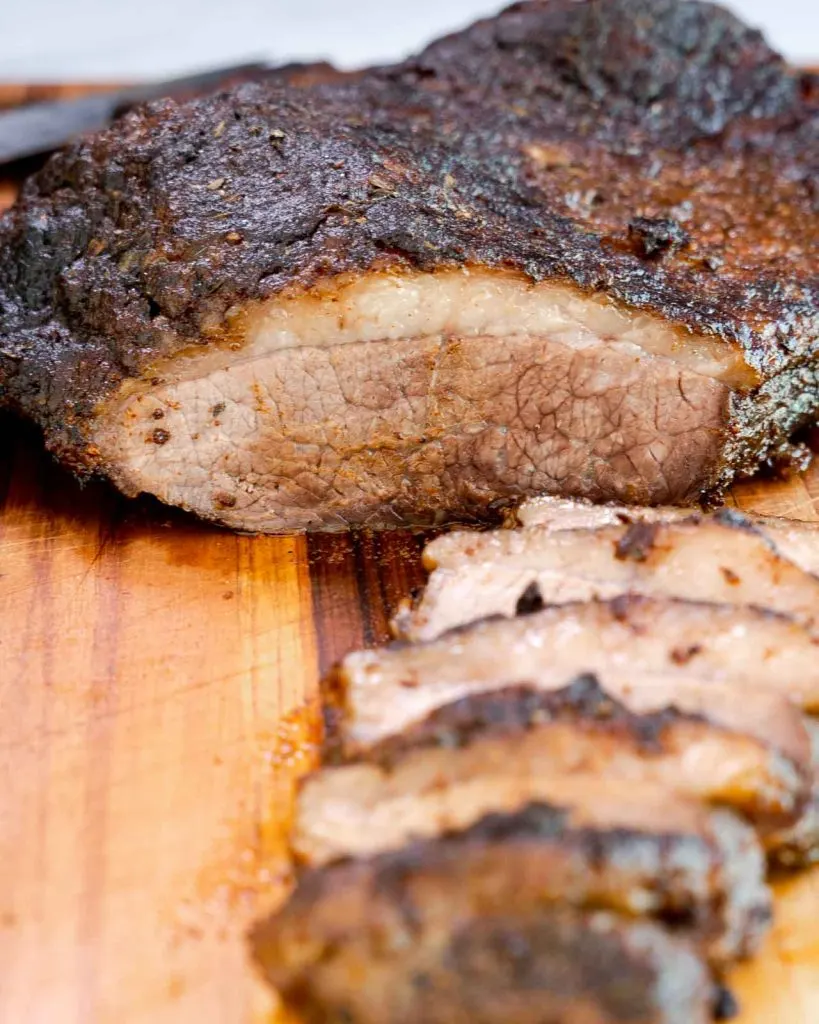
656, 237
799, 847
683, 655
530, 601
502, 958
523, 707
537, 955
8, 458
736, 520
637, 542
793, 857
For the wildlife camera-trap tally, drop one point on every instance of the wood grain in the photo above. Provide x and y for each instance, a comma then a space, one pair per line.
157, 702
155, 681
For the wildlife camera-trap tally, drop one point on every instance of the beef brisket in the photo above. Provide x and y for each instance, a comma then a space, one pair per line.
629, 636
721, 559
569, 250
628, 639
752, 754
585, 845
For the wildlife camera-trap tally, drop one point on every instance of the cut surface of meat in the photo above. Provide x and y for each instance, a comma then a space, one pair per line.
794, 539
337, 398
719, 559
704, 874
675, 735
362, 809
541, 968
534, 258
626, 640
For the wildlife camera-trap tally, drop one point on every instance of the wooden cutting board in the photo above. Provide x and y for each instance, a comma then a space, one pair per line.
157, 702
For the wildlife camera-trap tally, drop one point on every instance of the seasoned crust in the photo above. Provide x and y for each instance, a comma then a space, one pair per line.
673, 99
523, 144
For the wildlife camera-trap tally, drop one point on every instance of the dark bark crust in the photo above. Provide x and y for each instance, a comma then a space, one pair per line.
656, 151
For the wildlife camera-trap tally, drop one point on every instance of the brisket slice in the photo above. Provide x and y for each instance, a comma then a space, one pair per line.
690, 738
569, 250
704, 872
629, 638
795, 540
548, 967
718, 559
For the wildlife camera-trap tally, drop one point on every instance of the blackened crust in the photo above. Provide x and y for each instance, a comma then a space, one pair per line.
530, 601
637, 542
531, 142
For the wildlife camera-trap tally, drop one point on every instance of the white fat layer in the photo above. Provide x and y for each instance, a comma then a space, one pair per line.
475, 303
456, 303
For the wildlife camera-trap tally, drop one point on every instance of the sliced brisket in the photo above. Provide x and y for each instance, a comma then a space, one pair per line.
749, 752
570, 250
628, 639
721, 559
635, 849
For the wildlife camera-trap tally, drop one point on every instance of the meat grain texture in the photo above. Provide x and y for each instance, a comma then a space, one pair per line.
569, 250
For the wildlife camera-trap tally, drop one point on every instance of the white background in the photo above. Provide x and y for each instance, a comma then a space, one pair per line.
123, 39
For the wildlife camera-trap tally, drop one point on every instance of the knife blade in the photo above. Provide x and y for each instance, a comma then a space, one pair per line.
41, 127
